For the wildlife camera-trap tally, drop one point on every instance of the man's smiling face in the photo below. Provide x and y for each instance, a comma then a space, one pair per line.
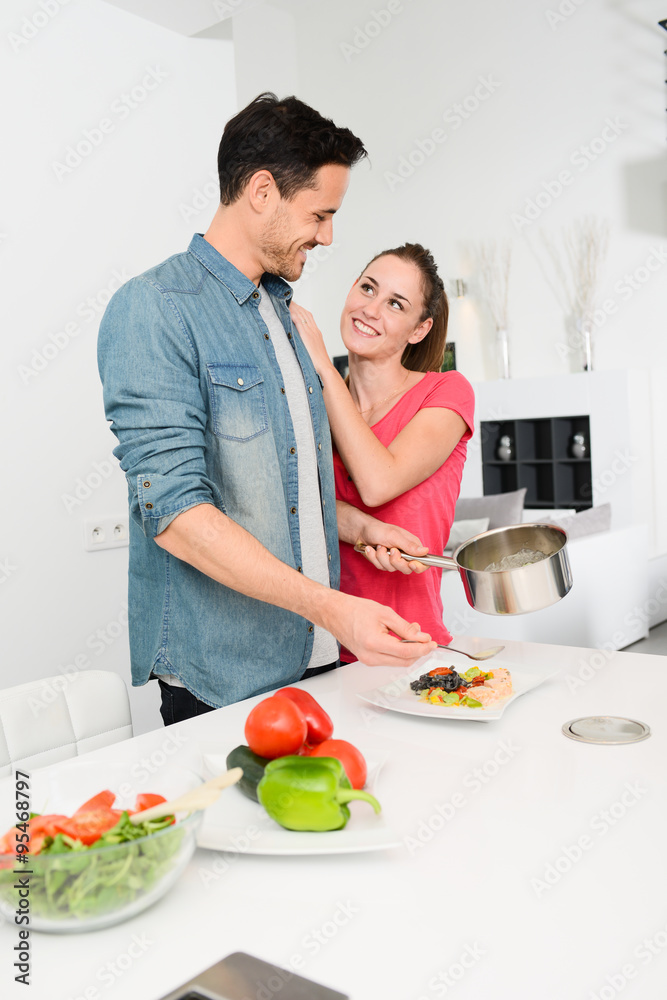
303, 223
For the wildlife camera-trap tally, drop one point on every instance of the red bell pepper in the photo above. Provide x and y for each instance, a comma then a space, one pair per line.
320, 726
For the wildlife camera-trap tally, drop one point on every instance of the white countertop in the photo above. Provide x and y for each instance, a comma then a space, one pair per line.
531, 866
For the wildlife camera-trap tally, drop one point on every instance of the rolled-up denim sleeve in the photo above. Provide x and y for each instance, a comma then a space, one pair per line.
152, 397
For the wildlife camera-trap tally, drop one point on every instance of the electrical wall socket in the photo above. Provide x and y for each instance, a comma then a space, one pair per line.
106, 533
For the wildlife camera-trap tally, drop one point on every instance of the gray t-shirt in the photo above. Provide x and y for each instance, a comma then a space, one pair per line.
315, 563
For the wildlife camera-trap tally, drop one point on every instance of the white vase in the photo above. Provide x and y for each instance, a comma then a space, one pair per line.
583, 341
503, 349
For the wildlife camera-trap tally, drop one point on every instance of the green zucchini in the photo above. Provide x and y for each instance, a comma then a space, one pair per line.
253, 769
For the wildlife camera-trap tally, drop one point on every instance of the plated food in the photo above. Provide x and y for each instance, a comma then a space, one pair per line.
492, 693
474, 688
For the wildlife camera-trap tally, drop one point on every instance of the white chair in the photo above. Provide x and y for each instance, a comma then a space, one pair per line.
53, 719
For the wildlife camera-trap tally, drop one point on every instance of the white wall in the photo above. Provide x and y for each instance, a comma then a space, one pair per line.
554, 88
68, 237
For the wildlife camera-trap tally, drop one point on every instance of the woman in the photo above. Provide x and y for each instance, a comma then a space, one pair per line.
400, 431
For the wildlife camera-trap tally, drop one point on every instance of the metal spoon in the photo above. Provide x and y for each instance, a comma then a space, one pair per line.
484, 654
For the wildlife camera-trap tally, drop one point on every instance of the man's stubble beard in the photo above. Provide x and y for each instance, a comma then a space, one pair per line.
279, 259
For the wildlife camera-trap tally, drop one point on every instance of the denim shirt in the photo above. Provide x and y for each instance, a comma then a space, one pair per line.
193, 391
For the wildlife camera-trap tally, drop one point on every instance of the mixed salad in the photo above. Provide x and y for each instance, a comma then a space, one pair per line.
71, 876
473, 689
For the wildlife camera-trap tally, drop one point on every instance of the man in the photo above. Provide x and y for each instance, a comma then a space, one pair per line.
224, 440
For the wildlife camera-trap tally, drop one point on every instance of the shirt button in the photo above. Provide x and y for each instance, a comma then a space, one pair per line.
329, 557
310, 628
319, 447
240, 381
292, 451
149, 506
292, 510
266, 336
147, 483
289, 336
282, 389
324, 503
299, 570
255, 295
310, 388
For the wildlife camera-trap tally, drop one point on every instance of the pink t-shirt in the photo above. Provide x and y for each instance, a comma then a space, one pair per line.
427, 510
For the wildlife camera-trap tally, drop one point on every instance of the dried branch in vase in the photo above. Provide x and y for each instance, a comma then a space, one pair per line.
573, 273
492, 263
576, 264
492, 259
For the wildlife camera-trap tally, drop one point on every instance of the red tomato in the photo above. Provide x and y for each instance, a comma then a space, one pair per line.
351, 759
146, 800
276, 727
103, 800
438, 671
89, 826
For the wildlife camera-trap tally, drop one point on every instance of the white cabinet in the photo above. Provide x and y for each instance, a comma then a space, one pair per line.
610, 604
618, 404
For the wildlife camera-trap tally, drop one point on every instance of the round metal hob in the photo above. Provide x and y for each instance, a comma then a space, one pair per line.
607, 729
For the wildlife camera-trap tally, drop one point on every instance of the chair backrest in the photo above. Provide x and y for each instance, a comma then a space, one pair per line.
59, 717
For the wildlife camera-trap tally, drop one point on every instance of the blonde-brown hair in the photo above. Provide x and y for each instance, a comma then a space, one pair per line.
428, 355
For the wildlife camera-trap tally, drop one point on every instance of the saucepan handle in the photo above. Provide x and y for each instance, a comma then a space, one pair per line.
440, 562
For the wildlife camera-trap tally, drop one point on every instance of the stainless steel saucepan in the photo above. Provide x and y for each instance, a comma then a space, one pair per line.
515, 591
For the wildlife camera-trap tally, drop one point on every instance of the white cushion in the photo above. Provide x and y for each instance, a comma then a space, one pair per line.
500, 508
52, 719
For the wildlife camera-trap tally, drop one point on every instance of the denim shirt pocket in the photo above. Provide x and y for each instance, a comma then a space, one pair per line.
238, 406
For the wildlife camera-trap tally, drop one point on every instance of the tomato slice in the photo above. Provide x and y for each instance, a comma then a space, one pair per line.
8, 841
438, 671
146, 800
89, 826
39, 828
103, 800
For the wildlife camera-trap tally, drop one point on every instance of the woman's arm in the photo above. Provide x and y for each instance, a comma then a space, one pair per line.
379, 473
383, 540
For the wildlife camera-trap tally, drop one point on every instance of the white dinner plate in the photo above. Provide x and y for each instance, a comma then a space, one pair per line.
398, 697
236, 823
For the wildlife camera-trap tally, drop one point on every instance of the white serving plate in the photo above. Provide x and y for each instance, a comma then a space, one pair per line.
237, 824
397, 696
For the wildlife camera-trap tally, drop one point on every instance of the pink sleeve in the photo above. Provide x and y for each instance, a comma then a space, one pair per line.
453, 391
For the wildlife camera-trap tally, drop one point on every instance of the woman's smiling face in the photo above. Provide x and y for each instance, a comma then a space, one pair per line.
383, 310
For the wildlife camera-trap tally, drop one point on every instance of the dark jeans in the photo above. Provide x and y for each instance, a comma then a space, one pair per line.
179, 704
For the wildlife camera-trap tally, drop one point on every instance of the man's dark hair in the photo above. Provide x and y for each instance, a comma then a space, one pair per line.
286, 137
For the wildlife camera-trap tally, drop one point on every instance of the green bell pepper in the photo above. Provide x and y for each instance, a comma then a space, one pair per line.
309, 793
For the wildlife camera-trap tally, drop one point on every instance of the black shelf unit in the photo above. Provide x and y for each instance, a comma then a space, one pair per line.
541, 460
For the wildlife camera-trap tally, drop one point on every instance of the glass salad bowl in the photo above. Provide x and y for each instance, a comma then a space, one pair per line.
91, 887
